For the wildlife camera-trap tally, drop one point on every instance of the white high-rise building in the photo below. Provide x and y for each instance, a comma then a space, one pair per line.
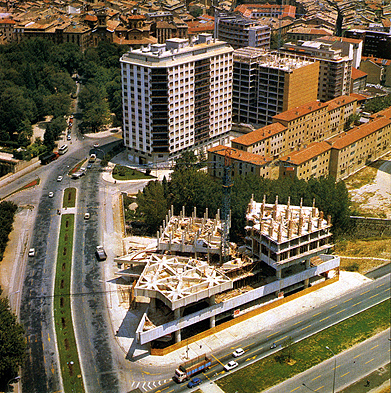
176, 96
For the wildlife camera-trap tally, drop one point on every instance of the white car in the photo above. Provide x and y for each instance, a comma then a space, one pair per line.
59, 178
32, 252
231, 365
96, 144
51, 194
238, 352
86, 216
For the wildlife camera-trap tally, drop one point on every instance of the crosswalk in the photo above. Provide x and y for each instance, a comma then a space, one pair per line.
146, 386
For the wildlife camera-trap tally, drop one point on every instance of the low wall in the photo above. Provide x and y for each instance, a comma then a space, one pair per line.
241, 318
370, 226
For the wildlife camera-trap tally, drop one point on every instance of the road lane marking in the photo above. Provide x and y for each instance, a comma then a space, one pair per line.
375, 347
334, 306
374, 295
348, 300
357, 356
340, 311
297, 323
369, 361
380, 285
48, 337
324, 319
345, 374
334, 368
272, 334
317, 314
319, 388
305, 327
295, 389
357, 303
365, 292
313, 379
280, 339
252, 358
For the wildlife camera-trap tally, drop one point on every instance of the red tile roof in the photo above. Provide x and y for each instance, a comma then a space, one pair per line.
341, 39
340, 101
300, 111
7, 21
356, 74
91, 18
347, 138
376, 60
260, 134
239, 155
312, 150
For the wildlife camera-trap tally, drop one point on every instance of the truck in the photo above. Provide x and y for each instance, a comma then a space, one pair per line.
194, 366
48, 157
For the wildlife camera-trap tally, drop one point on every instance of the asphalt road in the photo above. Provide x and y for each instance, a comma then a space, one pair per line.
307, 324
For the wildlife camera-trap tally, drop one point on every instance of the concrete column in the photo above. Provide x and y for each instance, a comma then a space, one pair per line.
307, 280
278, 275
177, 315
212, 321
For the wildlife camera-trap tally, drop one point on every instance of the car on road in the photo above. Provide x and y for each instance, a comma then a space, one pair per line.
89, 166
100, 253
194, 382
86, 216
273, 345
32, 252
69, 137
78, 174
96, 145
238, 352
231, 365
51, 194
59, 178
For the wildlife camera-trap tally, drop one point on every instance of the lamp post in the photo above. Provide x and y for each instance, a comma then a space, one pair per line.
335, 366
12, 379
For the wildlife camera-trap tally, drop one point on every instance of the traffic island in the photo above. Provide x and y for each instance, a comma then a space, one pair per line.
69, 199
66, 342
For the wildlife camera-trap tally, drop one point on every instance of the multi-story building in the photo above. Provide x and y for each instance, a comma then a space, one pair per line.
240, 32
359, 80
176, 96
378, 70
6, 30
255, 11
266, 141
334, 71
375, 43
267, 83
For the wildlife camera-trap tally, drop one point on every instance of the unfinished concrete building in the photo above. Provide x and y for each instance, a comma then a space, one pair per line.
187, 295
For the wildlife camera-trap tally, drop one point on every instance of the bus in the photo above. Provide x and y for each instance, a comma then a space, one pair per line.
48, 157
63, 149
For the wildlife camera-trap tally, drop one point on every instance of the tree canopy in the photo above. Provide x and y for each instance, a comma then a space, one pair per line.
7, 211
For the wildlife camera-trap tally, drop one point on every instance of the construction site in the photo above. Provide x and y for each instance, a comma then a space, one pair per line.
192, 280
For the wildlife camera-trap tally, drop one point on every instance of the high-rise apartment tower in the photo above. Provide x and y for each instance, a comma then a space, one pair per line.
176, 96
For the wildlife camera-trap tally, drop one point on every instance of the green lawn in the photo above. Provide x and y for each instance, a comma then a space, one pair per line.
124, 173
309, 352
69, 360
69, 199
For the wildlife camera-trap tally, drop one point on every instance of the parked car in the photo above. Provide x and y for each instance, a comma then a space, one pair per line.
59, 178
32, 252
51, 194
194, 382
100, 253
238, 352
231, 365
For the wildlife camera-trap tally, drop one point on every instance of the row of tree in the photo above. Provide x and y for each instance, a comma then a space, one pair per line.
191, 187
7, 212
36, 82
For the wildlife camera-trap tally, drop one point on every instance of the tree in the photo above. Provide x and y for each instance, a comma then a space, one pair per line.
12, 344
7, 211
152, 206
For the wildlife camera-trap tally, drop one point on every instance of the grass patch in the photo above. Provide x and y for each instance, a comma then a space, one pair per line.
366, 249
69, 360
124, 173
69, 199
309, 352
364, 176
77, 167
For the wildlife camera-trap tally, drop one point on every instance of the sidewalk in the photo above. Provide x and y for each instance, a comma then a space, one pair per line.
7, 179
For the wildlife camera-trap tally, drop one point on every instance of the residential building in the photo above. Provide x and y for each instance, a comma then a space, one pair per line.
339, 110
378, 70
240, 32
266, 141
312, 161
267, 83
305, 123
242, 162
375, 43
307, 33
256, 11
176, 96
334, 68
359, 80
6, 30
354, 149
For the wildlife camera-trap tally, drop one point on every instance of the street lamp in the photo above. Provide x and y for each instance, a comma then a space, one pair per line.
335, 366
12, 379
